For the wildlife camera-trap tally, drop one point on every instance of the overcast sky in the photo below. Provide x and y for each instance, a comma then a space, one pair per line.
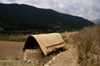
89, 9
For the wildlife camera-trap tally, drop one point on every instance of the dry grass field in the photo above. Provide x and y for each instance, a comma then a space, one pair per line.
15, 63
11, 53
11, 50
86, 41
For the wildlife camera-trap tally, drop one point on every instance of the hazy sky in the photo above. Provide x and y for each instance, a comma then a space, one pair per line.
89, 9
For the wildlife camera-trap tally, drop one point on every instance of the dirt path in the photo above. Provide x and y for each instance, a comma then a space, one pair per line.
11, 50
67, 58
68, 34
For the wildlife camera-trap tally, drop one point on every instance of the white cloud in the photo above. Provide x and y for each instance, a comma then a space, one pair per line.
89, 9
4, 1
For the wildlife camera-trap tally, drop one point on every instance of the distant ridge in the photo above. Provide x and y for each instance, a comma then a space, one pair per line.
15, 17
96, 21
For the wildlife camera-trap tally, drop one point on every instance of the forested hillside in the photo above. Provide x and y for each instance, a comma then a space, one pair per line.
25, 18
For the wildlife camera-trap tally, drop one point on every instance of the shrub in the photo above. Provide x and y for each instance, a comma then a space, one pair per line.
4, 37
1, 30
17, 38
88, 44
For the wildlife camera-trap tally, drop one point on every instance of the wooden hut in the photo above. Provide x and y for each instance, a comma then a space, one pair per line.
38, 45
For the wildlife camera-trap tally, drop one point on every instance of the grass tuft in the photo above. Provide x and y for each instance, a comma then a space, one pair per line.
88, 44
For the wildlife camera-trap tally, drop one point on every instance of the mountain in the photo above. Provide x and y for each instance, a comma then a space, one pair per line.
96, 21
15, 17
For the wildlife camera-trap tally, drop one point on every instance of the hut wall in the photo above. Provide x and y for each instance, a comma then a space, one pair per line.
33, 54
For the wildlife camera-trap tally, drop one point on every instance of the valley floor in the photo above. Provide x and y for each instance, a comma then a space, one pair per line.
11, 55
11, 50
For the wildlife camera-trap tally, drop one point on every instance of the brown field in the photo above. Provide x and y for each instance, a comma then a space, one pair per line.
11, 53
11, 50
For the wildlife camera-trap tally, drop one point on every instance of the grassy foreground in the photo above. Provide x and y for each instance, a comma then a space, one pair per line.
15, 63
88, 44
25, 63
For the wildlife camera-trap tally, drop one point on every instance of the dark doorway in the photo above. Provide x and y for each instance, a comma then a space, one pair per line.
31, 43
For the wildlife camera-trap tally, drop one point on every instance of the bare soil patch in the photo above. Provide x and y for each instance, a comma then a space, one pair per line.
11, 50
67, 58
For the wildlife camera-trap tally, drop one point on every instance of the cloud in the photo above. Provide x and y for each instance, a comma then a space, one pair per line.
4, 1
89, 9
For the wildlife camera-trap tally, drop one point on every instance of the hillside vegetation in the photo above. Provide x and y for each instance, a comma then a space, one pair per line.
15, 38
88, 44
15, 18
